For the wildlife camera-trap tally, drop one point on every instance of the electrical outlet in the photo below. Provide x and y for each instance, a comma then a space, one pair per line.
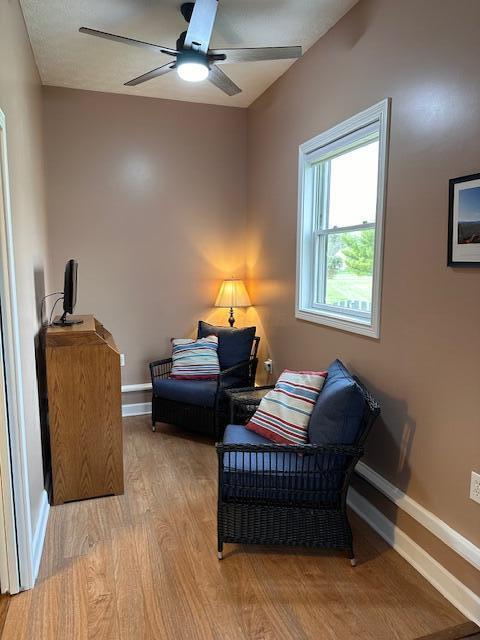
475, 487
268, 364
122, 359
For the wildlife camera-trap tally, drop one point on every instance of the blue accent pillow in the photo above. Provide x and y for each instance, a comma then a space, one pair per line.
234, 345
337, 416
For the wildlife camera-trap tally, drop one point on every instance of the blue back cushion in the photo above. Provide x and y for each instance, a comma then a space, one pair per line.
234, 345
337, 416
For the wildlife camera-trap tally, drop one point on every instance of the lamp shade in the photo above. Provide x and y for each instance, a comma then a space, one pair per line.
233, 293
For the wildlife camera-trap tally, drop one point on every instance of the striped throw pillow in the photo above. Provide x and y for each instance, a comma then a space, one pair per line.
195, 359
284, 412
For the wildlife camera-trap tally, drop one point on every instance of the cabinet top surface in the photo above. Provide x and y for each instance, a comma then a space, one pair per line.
87, 326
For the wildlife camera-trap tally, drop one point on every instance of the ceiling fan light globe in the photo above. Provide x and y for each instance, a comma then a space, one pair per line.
192, 71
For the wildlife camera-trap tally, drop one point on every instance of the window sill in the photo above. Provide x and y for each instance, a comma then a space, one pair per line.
370, 329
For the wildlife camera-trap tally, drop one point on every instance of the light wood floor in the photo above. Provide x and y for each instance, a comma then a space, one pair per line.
144, 566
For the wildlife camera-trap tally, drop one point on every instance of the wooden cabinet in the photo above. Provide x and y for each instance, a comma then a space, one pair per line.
84, 406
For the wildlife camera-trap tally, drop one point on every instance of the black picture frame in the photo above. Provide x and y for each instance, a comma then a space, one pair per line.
452, 261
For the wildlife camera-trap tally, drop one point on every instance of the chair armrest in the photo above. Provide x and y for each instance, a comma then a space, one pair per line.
246, 367
242, 409
160, 368
239, 365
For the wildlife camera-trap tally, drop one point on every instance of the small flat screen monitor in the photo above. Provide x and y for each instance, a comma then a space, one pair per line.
69, 294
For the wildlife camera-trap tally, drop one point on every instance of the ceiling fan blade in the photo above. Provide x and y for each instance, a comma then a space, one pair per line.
222, 81
200, 29
257, 54
136, 43
154, 73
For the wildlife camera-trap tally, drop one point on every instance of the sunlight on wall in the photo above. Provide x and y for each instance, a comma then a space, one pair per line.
265, 294
226, 258
252, 318
435, 107
138, 173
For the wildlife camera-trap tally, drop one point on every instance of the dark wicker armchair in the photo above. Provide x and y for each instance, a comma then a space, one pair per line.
199, 406
287, 494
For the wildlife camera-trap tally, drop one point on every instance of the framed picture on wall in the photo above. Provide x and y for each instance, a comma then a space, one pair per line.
464, 222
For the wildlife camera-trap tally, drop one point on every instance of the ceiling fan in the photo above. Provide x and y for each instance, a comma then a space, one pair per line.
193, 59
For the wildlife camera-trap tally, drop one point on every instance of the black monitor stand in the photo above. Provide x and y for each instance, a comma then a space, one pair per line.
63, 321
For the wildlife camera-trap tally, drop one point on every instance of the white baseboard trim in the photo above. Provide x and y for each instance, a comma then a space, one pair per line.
450, 587
39, 535
136, 409
144, 386
427, 519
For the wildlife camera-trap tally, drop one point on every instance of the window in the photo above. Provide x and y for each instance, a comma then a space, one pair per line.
342, 175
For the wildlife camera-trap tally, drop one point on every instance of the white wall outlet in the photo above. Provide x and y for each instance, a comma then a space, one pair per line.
475, 487
268, 364
122, 359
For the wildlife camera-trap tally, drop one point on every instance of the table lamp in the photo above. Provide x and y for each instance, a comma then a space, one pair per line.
233, 293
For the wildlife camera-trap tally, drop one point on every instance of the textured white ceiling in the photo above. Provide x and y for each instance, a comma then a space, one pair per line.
66, 58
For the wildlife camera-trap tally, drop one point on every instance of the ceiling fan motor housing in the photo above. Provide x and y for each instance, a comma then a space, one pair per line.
186, 56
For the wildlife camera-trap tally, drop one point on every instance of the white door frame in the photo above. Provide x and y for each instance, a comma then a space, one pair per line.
16, 564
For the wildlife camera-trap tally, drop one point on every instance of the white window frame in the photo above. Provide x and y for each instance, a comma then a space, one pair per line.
376, 116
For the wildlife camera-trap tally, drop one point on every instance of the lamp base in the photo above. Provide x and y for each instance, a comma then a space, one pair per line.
231, 319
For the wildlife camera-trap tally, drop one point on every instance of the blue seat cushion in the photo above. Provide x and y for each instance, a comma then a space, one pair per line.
282, 476
337, 417
234, 345
198, 392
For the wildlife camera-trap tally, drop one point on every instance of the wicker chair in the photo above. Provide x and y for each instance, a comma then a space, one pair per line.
205, 417
287, 494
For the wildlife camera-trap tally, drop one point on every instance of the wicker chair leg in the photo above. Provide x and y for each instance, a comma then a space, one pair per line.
220, 549
351, 556
154, 428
